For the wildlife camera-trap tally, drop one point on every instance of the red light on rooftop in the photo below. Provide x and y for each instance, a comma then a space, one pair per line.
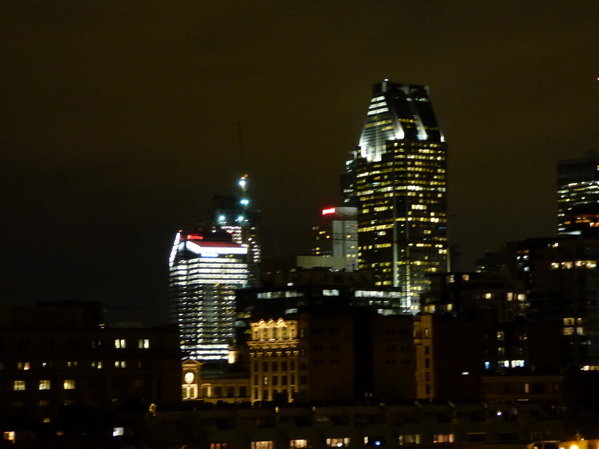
330, 210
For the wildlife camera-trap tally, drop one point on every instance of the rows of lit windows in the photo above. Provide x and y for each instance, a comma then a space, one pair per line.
216, 269
227, 278
570, 264
274, 330
44, 384
208, 263
25, 366
280, 294
342, 442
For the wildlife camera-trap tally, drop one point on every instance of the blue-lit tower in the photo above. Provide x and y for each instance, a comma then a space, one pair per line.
235, 215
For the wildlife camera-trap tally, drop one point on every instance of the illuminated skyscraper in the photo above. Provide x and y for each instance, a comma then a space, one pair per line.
577, 190
205, 270
398, 181
207, 265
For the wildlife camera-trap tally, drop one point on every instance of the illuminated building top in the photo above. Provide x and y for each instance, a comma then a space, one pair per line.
397, 112
398, 182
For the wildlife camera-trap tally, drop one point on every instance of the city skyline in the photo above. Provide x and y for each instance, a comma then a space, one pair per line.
115, 136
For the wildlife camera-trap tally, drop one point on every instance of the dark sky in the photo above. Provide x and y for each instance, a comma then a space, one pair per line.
119, 121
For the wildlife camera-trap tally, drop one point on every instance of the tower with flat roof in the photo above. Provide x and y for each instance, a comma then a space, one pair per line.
206, 267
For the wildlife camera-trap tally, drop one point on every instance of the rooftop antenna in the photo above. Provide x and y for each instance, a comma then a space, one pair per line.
242, 155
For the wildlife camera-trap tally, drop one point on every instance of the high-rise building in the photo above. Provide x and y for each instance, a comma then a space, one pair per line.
577, 188
337, 235
206, 267
560, 275
398, 181
234, 215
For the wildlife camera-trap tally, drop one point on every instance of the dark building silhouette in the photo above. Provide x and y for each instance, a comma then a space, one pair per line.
341, 355
59, 354
560, 275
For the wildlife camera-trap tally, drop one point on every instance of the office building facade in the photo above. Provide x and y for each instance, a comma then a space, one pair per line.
398, 181
577, 189
337, 235
342, 356
206, 267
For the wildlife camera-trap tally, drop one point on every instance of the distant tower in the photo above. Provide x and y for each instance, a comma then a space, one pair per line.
398, 181
577, 188
337, 235
234, 215
206, 267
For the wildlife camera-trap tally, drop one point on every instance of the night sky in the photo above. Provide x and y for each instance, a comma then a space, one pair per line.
120, 121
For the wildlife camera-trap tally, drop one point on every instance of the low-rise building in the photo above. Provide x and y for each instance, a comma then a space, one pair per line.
59, 354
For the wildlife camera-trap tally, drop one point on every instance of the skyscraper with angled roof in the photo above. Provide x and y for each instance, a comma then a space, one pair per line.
398, 180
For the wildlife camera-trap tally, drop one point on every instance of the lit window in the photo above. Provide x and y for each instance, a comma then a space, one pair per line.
413, 438
298, 444
120, 364
120, 343
338, 442
118, 431
44, 384
19, 385
23, 366
97, 365
143, 343
443, 438
69, 384
262, 445
226, 445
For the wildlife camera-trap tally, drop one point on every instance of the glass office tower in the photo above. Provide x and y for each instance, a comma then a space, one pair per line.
398, 181
577, 190
205, 270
